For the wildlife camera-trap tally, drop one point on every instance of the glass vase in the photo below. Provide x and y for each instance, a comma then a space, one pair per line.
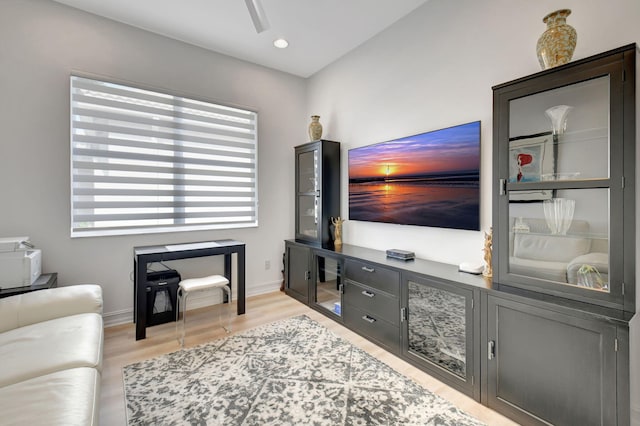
558, 213
558, 116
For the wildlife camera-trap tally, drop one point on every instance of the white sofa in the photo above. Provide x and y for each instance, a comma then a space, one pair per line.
557, 258
51, 345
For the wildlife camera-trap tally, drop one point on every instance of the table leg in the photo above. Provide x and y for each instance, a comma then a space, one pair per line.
241, 281
228, 272
140, 298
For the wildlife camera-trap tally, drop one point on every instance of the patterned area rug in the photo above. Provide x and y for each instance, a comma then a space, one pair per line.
292, 372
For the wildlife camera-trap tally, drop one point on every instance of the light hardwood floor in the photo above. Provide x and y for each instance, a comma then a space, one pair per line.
121, 348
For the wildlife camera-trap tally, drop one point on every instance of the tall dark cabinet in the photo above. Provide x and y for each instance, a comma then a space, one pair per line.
564, 244
564, 169
317, 191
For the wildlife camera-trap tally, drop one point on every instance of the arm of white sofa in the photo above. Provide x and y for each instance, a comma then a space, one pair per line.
43, 305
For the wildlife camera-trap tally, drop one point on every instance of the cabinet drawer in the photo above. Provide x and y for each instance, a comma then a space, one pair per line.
373, 276
376, 328
373, 302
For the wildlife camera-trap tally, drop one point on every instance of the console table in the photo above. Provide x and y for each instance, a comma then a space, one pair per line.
142, 256
44, 281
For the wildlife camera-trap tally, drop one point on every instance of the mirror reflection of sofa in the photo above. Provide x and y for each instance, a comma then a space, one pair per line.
559, 258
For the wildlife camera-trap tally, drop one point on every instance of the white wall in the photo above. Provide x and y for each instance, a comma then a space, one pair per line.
435, 68
42, 43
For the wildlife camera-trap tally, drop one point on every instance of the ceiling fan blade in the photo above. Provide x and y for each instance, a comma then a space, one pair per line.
259, 18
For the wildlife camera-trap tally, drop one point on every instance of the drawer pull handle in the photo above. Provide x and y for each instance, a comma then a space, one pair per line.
368, 319
364, 268
368, 293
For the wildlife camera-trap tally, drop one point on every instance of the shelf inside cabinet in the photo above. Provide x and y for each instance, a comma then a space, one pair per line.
559, 184
592, 236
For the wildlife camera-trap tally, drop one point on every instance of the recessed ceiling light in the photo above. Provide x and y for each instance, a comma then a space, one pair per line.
280, 43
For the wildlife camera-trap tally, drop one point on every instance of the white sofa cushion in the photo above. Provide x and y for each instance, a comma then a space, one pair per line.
44, 305
64, 398
549, 248
552, 271
49, 346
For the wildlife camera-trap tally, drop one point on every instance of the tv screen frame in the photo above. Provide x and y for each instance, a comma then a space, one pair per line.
428, 179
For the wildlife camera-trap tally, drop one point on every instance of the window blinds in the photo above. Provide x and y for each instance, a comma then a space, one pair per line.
144, 161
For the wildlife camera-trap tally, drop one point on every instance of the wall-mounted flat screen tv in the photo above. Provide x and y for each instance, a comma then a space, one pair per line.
429, 179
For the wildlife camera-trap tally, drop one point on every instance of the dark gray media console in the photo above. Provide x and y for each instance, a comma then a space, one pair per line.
548, 360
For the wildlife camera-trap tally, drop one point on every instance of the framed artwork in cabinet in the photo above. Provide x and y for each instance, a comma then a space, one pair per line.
531, 159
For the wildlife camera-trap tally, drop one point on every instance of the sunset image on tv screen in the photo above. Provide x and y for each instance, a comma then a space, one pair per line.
429, 179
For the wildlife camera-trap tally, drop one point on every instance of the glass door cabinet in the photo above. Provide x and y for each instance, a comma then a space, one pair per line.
317, 190
327, 288
564, 149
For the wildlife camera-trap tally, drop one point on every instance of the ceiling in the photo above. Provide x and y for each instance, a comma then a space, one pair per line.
319, 32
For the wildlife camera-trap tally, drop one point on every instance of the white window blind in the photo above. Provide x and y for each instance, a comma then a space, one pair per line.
144, 161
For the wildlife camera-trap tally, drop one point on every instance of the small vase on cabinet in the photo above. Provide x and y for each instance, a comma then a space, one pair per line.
315, 128
556, 45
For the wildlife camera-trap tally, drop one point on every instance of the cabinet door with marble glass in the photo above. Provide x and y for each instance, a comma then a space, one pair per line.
438, 330
564, 174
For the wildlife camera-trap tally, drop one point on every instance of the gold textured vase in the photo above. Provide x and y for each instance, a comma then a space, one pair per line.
315, 128
556, 45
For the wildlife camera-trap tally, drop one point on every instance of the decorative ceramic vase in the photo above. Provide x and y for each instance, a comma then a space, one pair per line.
315, 128
556, 45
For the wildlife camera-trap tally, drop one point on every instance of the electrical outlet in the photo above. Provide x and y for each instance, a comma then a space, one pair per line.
267, 265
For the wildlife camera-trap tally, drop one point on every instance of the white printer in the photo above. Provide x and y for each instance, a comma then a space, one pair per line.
20, 263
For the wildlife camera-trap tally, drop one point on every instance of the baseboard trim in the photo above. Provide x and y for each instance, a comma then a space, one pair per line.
117, 317
635, 415
125, 316
263, 288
